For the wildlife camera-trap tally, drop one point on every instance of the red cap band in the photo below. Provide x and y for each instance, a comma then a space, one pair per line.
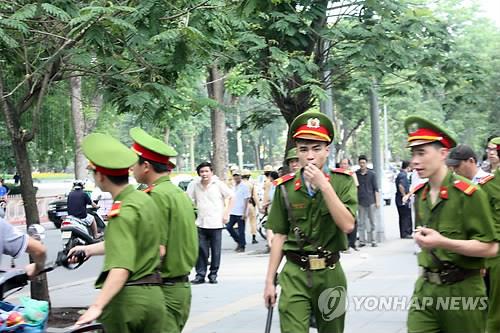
111, 172
321, 132
431, 135
149, 154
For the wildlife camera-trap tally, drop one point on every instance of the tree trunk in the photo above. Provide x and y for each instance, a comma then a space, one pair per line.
166, 135
215, 87
78, 122
191, 152
39, 288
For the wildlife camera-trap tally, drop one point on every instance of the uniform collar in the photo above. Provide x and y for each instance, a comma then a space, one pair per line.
443, 190
162, 179
299, 179
126, 191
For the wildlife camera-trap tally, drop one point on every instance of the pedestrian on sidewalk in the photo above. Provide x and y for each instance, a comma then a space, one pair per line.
131, 299
213, 200
463, 161
252, 204
179, 239
238, 211
404, 208
311, 213
454, 231
346, 164
369, 203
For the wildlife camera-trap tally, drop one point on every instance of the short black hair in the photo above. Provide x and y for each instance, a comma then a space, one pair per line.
362, 157
118, 180
274, 175
157, 166
267, 173
405, 164
203, 165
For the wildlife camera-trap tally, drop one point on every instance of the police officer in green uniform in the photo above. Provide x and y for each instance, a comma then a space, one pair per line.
130, 299
292, 160
464, 162
491, 185
312, 211
179, 235
454, 231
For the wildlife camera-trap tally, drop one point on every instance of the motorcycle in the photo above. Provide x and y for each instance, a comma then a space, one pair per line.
13, 280
74, 232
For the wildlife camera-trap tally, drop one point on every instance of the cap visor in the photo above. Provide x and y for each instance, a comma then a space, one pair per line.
452, 162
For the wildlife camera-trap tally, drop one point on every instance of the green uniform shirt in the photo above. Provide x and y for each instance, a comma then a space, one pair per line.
132, 240
179, 230
456, 215
311, 213
492, 188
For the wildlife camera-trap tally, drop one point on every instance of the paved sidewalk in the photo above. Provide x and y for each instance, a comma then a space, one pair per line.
236, 305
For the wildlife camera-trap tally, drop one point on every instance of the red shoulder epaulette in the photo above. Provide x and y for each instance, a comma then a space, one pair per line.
283, 179
115, 209
465, 187
148, 189
419, 187
486, 179
342, 170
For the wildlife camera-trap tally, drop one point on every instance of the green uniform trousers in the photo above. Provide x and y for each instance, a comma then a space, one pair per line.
326, 299
177, 300
493, 325
135, 309
455, 308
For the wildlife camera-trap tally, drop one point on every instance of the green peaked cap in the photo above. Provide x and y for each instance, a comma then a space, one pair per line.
152, 148
312, 125
107, 154
495, 141
422, 131
291, 154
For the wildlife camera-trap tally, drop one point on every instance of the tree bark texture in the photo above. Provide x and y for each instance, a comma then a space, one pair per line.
215, 87
78, 121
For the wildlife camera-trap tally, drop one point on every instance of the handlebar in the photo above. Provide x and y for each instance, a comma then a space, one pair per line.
17, 278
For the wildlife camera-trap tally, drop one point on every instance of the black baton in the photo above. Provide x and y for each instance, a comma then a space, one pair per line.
270, 309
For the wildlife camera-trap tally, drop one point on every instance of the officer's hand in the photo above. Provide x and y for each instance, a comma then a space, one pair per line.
89, 316
72, 257
270, 295
314, 175
405, 198
428, 238
225, 219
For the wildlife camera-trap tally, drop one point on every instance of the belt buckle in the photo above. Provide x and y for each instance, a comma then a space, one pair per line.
316, 263
434, 278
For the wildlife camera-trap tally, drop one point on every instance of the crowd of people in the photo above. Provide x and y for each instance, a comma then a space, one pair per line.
446, 202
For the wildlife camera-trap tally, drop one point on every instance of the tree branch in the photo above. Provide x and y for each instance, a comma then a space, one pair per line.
187, 11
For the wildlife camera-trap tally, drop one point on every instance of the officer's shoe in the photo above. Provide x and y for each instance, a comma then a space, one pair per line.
240, 249
198, 280
212, 280
374, 245
254, 240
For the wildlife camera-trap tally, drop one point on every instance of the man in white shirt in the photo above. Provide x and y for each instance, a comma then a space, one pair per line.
238, 211
212, 199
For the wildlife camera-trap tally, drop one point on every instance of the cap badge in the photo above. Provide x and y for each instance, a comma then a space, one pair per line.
413, 127
313, 123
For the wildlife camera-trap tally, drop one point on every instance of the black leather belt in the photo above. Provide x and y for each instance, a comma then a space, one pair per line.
448, 276
148, 280
172, 280
313, 261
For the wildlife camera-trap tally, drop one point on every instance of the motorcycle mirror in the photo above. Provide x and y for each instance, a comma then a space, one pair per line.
37, 232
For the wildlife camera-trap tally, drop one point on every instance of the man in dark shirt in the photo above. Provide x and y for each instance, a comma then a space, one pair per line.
77, 206
404, 210
368, 202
